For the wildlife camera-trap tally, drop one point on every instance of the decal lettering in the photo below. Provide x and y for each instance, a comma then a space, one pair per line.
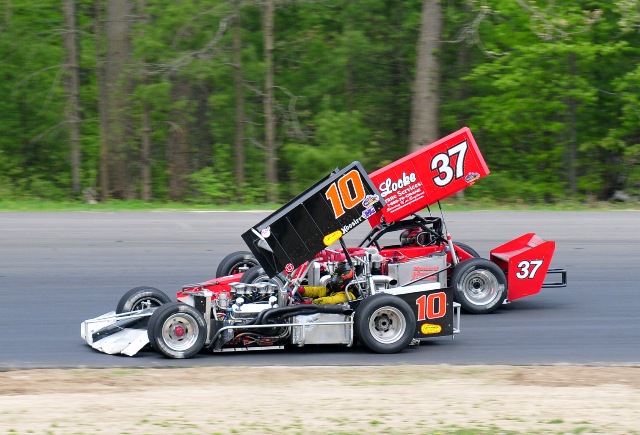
428, 328
368, 212
354, 223
420, 271
330, 238
433, 306
442, 163
346, 193
370, 200
528, 269
387, 187
472, 177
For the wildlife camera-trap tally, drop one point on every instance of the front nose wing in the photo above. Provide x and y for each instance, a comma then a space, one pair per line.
113, 333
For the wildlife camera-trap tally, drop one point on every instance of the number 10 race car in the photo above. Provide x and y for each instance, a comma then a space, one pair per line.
382, 296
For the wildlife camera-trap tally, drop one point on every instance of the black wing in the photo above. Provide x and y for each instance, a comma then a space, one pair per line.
314, 219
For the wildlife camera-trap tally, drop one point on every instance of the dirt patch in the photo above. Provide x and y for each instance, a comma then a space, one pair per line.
322, 400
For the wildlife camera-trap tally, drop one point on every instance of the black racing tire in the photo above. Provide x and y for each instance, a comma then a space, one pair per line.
177, 330
384, 323
236, 262
467, 248
253, 275
479, 285
141, 297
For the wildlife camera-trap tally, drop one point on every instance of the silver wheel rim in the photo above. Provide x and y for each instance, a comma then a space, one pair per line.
145, 303
180, 332
241, 267
481, 288
387, 325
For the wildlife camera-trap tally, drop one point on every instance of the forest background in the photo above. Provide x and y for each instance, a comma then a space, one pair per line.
250, 101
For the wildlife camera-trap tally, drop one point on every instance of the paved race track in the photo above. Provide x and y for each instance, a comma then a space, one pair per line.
58, 269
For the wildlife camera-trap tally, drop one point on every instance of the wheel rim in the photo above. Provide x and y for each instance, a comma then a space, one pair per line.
481, 287
241, 267
180, 332
387, 325
145, 303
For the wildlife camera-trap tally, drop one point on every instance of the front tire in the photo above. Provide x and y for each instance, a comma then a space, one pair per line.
177, 330
384, 323
479, 285
236, 262
140, 298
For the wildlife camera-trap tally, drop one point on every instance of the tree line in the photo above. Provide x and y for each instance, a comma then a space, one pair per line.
226, 101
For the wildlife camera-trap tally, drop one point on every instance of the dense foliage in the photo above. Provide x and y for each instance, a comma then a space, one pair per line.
551, 91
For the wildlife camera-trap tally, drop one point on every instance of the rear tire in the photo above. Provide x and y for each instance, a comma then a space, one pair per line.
253, 275
257, 274
384, 323
236, 262
467, 248
140, 298
177, 330
479, 285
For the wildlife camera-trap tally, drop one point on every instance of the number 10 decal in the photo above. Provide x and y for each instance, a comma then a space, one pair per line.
346, 193
442, 163
433, 306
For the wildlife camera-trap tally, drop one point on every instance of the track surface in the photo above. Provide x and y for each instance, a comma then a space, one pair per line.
58, 269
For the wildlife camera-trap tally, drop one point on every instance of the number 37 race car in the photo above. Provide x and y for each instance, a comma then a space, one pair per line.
299, 284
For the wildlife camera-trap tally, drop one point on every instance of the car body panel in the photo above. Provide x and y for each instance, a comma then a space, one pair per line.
313, 220
428, 175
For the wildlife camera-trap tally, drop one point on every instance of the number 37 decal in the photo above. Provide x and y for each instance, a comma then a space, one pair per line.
442, 163
527, 269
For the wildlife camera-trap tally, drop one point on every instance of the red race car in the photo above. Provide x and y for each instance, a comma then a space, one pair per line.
383, 296
514, 270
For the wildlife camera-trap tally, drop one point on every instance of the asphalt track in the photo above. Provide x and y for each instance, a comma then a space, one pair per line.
58, 269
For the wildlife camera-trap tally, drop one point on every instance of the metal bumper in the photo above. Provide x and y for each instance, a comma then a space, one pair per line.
557, 284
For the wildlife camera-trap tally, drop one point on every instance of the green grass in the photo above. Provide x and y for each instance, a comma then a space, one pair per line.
452, 204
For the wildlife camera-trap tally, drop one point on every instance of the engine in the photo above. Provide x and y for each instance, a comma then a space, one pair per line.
257, 292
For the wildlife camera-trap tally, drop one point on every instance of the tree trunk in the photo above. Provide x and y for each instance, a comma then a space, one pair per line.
178, 151
463, 64
145, 145
424, 106
239, 98
72, 87
573, 128
118, 30
6, 15
103, 106
145, 155
202, 137
269, 120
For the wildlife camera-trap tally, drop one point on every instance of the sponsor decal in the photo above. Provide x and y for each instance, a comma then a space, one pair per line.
420, 271
368, 212
265, 232
388, 186
289, 268
369, 200
471, 177
329, 239
429, 328
354, 223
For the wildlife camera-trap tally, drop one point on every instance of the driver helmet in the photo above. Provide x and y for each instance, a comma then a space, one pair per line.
409, 237
340, 277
